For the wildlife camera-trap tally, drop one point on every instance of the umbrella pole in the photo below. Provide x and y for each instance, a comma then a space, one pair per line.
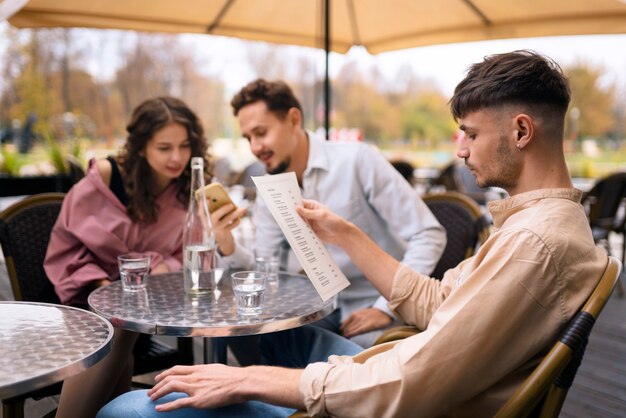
326, 18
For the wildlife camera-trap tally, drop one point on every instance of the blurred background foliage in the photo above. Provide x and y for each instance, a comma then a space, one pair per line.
47, 84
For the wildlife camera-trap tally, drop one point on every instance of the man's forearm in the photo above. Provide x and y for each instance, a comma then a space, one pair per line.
378, 266
275, 385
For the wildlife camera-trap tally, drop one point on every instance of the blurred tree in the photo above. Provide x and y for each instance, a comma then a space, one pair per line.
406, 84
426, 120
32, 85
65, 72
292, 65
159, 65
206, 97
307, 89
591, 108
49, 72
138, 78
10, 68
45, 75
358, 104
617, 135
267, 60
39, 74
403, 109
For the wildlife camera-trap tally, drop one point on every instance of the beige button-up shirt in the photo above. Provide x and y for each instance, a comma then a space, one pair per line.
486, 324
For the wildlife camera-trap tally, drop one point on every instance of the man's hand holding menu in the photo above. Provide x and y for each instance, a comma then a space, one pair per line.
281, 195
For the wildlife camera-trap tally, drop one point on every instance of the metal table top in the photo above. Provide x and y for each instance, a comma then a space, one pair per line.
41, 344
164, 309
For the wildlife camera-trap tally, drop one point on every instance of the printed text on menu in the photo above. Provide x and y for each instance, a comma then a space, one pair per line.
281, 194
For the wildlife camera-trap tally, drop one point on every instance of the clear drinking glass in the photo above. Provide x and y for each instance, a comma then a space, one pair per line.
268, 265
134, 269
249, 287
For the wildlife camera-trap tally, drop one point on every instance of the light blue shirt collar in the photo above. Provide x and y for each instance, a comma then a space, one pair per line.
318, 154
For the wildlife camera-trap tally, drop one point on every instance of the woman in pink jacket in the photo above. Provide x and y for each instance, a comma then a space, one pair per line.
135, 202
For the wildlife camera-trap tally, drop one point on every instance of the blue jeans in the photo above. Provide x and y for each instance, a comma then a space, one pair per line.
292, 348
247, 349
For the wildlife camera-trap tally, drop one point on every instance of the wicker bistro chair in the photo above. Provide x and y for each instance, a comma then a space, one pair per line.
543, 393
24, 234
602, 204
457, 177
25, 229
620, 228
466, 227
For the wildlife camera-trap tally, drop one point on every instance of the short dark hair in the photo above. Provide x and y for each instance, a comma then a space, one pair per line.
519, 77
277, 95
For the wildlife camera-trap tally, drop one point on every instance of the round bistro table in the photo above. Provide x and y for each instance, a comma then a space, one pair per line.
163, 308
41, 344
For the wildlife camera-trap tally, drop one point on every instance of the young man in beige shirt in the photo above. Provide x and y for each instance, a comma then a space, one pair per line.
486, 324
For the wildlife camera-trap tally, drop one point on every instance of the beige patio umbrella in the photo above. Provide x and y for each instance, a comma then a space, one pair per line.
377, 25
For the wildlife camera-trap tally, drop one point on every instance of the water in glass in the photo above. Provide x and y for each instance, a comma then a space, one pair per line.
249, 288
133, 274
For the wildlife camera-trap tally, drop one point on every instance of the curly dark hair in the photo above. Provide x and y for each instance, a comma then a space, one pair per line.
139, 183
521, 77
277, 95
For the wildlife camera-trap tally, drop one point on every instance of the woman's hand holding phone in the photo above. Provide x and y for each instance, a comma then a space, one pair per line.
225, 216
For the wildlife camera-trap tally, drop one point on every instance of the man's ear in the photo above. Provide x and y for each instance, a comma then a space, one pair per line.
525, 128
295, 116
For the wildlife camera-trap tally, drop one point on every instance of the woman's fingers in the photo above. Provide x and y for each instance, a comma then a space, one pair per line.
222, 211
226, 217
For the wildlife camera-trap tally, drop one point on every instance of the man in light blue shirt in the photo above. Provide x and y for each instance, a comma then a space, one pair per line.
353, 180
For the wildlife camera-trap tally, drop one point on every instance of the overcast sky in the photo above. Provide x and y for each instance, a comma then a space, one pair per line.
444, 64
447, 63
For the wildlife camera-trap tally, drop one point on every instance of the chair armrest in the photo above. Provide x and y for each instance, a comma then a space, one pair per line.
299, 414
397, 333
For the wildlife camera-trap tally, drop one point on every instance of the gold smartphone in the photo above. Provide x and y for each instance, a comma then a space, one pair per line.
216, 196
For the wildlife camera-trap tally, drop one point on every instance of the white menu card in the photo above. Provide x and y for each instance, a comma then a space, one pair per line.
281, 194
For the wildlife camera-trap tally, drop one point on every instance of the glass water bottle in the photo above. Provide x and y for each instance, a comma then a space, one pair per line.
198, 238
